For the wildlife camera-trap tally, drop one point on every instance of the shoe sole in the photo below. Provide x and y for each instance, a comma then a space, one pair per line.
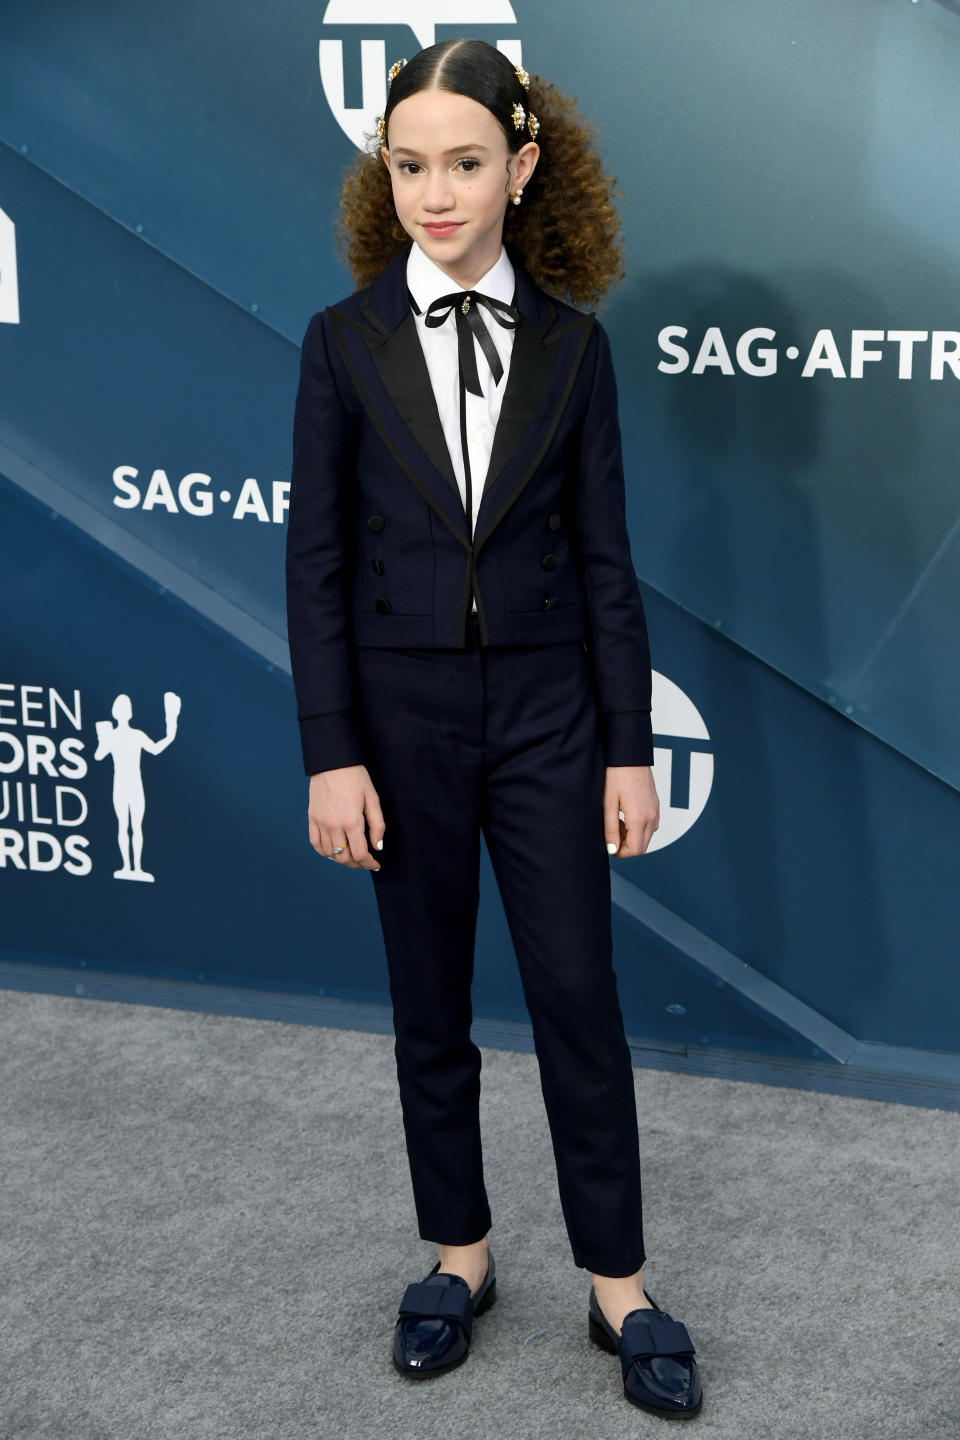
600, 1337
428, 1374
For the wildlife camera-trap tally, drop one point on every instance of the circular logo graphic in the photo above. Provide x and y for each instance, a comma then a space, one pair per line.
419, 16
682, 768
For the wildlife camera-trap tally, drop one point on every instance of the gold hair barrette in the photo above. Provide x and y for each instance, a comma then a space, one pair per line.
520, 118
381, 131
395, 69
522, 76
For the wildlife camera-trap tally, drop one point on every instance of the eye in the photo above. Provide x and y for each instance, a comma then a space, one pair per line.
473, 164
404, 164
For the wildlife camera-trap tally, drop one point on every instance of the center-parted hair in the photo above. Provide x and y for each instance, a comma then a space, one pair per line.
566, 231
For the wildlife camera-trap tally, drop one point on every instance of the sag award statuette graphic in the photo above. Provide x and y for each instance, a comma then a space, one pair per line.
126, 744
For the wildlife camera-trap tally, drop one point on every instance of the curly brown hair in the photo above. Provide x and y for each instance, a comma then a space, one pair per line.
566, 233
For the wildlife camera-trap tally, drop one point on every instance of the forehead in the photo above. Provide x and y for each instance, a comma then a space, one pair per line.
431, 121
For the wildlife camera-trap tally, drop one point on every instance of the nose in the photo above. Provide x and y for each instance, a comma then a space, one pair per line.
436, 191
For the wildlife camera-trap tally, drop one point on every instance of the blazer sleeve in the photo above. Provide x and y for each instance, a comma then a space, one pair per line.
618, 642
319, 534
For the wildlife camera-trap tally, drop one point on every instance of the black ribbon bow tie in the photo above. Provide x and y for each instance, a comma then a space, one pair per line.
465, 305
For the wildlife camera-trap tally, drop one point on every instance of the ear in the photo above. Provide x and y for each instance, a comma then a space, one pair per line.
525, 162
385, 156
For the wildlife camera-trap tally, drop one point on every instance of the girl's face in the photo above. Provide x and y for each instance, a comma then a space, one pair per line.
452, 177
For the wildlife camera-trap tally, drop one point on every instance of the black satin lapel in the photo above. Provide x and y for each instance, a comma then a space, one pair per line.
400, 361
528, 381
542, 376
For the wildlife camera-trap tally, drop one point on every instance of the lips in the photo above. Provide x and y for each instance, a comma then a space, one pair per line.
441, 228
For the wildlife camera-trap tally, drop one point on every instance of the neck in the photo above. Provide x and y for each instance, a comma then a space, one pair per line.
470, 269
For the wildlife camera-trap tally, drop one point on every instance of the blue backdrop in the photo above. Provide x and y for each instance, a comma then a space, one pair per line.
788, 348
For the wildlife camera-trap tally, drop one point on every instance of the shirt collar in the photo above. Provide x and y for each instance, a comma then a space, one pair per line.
427, 282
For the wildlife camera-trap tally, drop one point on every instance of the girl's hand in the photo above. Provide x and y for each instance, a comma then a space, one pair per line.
629, 788
338, 801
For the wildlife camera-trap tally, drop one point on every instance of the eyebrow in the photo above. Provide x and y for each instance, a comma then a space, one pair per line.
454, 149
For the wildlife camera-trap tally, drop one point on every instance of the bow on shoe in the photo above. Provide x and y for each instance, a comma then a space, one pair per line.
470, 326
653, 1334
450, 1302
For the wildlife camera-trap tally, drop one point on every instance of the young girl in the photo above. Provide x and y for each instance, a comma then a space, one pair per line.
469, 653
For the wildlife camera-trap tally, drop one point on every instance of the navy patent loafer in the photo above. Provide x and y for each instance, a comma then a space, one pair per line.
435, 1321
656, 1358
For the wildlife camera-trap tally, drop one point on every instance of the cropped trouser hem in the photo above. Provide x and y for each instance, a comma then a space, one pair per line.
445, 1235
610, 1263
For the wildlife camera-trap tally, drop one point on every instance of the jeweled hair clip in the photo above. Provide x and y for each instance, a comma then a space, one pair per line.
394, 70
381, 131
521, 118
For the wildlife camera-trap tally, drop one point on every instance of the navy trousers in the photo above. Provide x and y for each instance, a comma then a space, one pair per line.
505, 741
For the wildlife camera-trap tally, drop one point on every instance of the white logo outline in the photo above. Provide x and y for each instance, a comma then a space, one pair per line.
125, 745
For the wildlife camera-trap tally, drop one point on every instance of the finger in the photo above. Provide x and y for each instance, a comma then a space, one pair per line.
651, 825
375, 821
339, 841
611, 822
359, 853
639, 835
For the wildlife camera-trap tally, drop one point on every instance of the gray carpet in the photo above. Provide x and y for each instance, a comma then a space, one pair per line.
206, 1228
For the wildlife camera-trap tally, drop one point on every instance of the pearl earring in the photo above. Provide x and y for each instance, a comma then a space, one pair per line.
515, 197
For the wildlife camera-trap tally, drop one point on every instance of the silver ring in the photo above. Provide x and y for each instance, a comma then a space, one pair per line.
339, 849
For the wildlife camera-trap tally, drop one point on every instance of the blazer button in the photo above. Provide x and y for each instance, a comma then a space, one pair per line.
548, 562
550, 600
555, 522
376, 522
378, 567
382, 605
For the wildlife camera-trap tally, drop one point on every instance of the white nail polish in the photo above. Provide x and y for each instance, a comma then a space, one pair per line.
612, 848
379, 844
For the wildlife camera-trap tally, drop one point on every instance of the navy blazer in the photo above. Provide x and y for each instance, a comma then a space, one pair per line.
378, 541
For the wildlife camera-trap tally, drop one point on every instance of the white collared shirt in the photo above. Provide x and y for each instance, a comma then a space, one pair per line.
427, 282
